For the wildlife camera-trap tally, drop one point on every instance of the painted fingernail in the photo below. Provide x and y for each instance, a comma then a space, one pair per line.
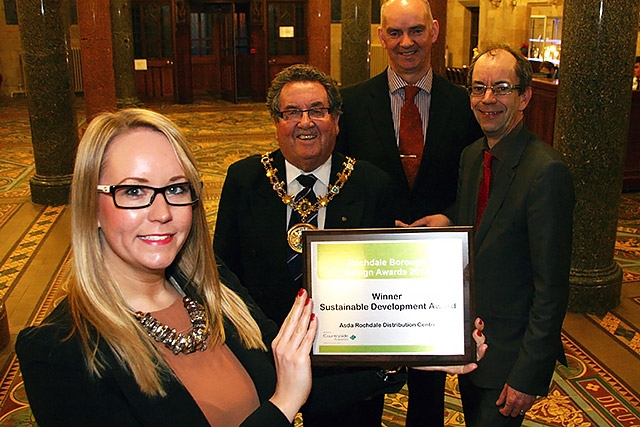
301, 292
480, 322
478, 332
307, 301
313, 317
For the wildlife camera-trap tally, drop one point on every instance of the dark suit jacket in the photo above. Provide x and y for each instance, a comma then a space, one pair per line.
522, 259
62, 393
367, 133
251, 226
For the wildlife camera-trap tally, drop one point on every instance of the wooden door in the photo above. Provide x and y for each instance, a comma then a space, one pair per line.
153, 49
156, 82
206, 48
228, 56
286, 35
220, 50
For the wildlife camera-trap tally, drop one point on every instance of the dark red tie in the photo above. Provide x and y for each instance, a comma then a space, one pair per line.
485, 185
411, 138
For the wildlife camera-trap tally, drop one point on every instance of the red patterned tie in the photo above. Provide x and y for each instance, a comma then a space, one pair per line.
411, 138
485, 185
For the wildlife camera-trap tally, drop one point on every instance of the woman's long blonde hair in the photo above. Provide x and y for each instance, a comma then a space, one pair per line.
98, 309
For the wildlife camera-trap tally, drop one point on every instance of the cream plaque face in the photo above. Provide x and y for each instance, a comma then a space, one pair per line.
390, 295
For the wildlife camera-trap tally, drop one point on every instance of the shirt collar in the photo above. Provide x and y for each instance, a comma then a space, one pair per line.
322, 173
396, 82
502, 147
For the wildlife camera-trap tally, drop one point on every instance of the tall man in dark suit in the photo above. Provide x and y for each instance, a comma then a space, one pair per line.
256, 236
522, 243
370, 129
370, 123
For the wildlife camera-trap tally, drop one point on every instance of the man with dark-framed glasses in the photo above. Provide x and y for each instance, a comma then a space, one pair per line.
518, 193
268, 200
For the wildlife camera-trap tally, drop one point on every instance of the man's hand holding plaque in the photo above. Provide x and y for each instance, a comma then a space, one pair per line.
481, 348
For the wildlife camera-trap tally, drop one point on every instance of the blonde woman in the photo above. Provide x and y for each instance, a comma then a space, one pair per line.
152, 332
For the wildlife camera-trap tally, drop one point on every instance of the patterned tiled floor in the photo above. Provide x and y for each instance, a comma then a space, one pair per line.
599, 388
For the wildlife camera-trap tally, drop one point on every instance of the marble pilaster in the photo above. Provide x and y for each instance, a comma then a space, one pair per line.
98, 78
592, 119
356, 28
123, 56
319, 34
54, 130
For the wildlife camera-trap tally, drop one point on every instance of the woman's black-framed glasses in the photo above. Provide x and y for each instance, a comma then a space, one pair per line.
133, 196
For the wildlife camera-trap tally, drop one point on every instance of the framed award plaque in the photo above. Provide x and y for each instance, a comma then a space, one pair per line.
399, 296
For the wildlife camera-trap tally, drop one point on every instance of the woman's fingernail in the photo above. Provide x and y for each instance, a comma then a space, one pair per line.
480, 322
478, 332
301, 292
307, 301
313, 317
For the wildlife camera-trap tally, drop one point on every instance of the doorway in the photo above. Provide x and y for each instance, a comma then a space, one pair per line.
220, 52
153, 50
286, 35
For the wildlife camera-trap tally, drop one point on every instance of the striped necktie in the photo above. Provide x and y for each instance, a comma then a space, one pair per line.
294, 261
307, 182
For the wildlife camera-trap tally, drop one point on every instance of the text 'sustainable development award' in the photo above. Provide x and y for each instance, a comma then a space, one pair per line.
397, 296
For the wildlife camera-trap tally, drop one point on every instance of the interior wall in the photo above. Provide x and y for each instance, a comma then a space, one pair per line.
459, 34
9, 56
336, 47
500, 21
513, 22
506, 23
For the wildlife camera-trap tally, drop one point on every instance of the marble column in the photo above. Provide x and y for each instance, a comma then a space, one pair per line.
319, 34
356, 28
123, 56
98, 78
54, 131
592, 118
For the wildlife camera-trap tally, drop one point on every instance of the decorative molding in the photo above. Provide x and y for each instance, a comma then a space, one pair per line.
257, 7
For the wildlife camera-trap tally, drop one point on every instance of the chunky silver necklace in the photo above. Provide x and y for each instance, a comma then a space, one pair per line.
174, 341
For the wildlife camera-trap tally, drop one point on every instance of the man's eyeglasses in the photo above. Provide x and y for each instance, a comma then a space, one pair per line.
295, 114
499, 89
142, 196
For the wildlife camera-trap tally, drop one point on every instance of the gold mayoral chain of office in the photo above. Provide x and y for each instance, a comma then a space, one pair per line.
304, 207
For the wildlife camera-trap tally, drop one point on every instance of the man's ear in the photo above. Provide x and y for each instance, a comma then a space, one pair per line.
435, 31
381, 38
525, 98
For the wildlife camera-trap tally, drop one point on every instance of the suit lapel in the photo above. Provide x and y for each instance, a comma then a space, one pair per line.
270, 213
150, 411
345, 210
439, 111
438, 126
502, 181
379, 108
